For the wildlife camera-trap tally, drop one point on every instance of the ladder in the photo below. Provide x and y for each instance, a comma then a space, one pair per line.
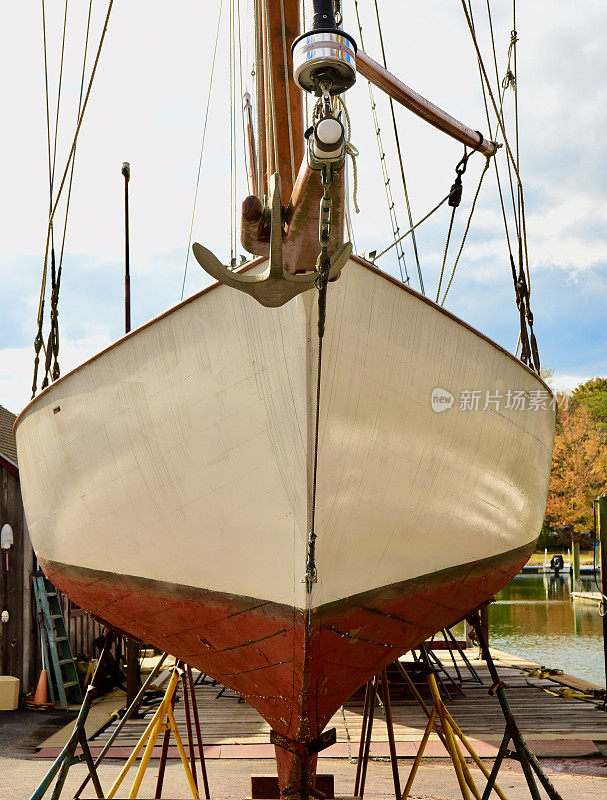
55, 642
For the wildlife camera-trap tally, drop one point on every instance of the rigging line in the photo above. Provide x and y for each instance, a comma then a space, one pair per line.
400, 253
270, 85
496, 166
513, 42
53, 337
287, 91
234, 149
400, 158
242, 90
204, 133
478, 189
518, 207
232, 69
48, 143
48, 120
55, 137
506, 143
502, 96
235, 108
497, 173
59, 92
413, 227
304, 28
351, 150
69, 189
447, 241
75, 139
353, 153
348, 216
262, 138
58, 196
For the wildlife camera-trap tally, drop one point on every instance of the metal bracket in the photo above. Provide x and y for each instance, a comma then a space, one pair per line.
274, 287
326, 739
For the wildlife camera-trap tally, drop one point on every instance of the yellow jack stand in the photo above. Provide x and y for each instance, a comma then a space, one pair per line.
441, 722
163, 720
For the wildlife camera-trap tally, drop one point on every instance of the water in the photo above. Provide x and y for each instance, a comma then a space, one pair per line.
534, 617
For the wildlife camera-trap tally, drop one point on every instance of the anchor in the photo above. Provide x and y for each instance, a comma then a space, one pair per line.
275, 286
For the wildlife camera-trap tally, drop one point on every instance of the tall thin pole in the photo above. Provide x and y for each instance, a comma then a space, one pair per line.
126, 171
133, 676
602, 526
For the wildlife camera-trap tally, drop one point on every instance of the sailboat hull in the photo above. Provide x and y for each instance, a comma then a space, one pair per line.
257, 648
168, 486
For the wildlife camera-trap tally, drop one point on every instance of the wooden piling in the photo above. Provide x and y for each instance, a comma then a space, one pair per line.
575, 564
602, 533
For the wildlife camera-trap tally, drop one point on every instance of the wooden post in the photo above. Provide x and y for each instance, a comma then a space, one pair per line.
602, 532
575, 564
390, 727
126, 171
484, 615
468, 631
133, 678
251, 149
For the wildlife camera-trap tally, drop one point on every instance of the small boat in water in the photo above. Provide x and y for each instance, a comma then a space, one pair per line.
304, 470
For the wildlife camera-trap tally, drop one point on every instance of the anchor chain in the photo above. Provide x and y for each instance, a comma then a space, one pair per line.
323, 266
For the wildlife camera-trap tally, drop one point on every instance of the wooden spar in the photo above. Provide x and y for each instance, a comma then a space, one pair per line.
423, 108
262, 176
286, 103
248, 111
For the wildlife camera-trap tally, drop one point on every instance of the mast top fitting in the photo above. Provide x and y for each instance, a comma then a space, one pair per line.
325, 57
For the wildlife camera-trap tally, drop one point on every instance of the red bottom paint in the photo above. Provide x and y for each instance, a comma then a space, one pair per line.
296, 674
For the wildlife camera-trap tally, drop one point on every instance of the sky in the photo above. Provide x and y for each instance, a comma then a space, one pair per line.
148, 106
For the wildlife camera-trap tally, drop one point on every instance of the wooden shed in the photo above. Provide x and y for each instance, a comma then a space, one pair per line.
19, 634
19, 648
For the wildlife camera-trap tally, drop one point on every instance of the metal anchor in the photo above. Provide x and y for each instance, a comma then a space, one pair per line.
273, 287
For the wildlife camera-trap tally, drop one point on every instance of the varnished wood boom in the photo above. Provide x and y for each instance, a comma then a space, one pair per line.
423, 108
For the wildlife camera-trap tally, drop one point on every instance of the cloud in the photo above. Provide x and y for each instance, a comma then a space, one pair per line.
567, 383
17, 367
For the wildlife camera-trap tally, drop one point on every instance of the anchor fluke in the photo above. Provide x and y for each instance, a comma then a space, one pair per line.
274, 286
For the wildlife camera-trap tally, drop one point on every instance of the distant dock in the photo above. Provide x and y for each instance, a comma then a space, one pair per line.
539, 569
588, 598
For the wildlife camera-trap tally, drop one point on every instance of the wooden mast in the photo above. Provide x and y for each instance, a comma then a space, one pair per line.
423, 108
287, 96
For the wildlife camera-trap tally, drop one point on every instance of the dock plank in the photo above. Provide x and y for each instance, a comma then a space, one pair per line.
562, 724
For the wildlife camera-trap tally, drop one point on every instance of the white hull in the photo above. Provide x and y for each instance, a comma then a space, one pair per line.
183, 453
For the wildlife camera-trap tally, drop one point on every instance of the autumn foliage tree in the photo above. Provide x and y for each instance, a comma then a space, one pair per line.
593, 395
579, 462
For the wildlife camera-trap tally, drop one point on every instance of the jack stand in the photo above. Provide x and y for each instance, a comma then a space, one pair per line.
67, 757
365, 737
163, 720
529, 762
123, 720
366, 730
187, 686
442, 723
452, 643
439, 720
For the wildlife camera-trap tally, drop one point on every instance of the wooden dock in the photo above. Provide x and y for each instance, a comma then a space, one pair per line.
553, 718
588, 598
